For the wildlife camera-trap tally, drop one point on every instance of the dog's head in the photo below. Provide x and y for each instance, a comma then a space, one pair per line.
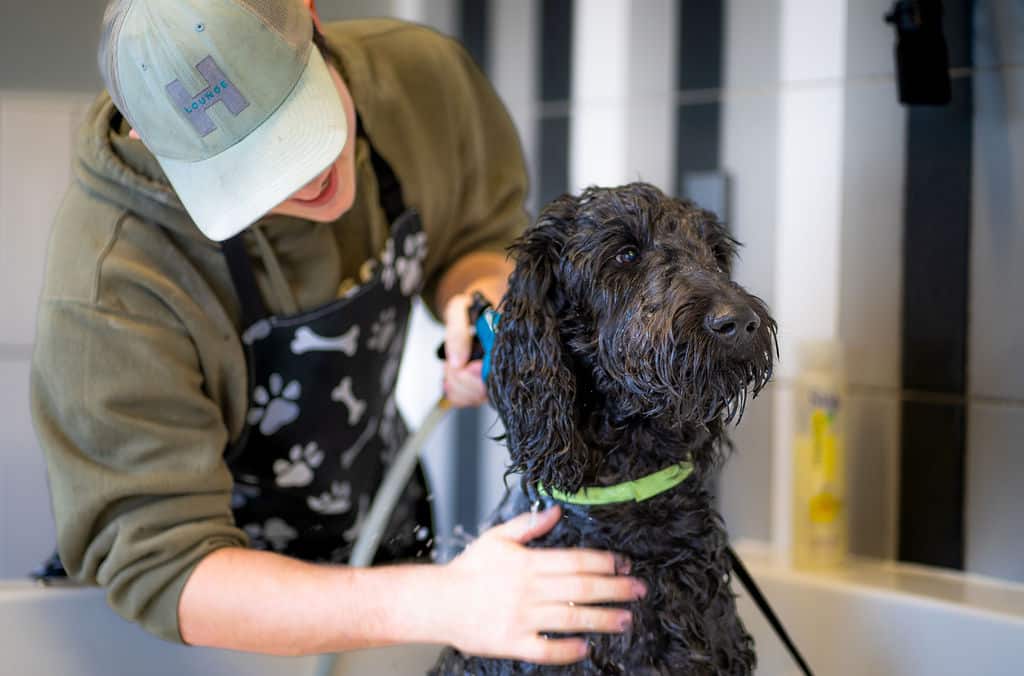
621, 307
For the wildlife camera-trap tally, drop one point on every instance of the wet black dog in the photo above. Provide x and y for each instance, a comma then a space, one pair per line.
625, 348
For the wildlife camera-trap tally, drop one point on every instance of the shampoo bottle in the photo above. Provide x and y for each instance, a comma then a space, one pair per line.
820, 519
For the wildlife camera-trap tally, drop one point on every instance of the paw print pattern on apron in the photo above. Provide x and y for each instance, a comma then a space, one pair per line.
322, 422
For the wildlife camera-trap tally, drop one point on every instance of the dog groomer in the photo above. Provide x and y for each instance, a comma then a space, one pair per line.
255, 204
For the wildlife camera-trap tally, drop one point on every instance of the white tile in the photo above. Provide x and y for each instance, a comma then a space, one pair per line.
26, 521
994, 504
871, 245
438, 14
651, 103
872, 444
749, 152
812, 40
751, 44
653, 27
513, 59
870, 40
996, 324
809, 218
651, 151
35, 170
599, 144
745, 486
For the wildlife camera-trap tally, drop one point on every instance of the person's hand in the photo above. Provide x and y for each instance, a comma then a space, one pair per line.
499, 595
463, 382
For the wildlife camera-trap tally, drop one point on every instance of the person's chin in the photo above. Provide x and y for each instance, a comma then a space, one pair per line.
327, 213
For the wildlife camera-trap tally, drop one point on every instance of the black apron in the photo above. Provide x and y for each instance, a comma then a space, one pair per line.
323, 424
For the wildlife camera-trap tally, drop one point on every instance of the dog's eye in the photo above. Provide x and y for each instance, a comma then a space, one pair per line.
627, 255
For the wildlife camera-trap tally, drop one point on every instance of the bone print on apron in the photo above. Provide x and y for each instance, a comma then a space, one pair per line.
322, 423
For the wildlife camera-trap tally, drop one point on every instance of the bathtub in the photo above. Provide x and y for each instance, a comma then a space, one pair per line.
869, 618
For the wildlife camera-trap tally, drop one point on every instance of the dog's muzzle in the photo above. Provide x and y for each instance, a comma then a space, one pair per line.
732, 325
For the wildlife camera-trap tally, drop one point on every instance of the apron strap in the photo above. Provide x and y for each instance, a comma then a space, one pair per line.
391, 199
240, 266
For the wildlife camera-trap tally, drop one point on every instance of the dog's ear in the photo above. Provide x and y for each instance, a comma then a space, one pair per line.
531, 382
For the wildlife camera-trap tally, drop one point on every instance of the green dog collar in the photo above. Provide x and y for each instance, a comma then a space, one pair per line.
638, 489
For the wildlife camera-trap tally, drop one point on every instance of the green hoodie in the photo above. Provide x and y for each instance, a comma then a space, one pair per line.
139, 379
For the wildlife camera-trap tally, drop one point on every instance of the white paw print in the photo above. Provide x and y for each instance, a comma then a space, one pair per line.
387, 261
338, 501
298, 469
276, 408
275, 532
383, 330
410, 266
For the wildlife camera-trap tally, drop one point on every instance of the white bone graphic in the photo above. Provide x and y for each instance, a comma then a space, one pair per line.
349, 456
343, 393
308, 341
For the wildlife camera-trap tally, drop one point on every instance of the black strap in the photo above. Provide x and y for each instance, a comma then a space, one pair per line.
240, 267
391, 199
748, 583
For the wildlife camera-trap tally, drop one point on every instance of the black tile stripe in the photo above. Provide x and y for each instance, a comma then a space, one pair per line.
932, 465
555, 63
474, 16
937, 215
554, 78
699, 58
553, 157
466, 471
700, 26
700, 126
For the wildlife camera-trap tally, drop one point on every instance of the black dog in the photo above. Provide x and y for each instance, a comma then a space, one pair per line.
624, 349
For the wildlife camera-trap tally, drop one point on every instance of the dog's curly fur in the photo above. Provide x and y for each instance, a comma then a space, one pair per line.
604, 370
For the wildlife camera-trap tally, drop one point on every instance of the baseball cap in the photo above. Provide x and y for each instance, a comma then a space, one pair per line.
230, 96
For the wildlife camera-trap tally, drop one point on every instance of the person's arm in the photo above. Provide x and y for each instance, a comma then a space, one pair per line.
492, 600
483, 271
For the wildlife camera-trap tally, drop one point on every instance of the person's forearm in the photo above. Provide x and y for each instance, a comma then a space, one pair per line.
482, 271
254, 601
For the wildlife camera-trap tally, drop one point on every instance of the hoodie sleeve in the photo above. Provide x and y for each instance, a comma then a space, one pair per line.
134, 452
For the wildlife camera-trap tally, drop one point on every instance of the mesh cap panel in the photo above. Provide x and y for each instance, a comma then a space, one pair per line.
289, 18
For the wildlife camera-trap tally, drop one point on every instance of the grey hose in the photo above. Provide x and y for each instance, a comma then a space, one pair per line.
384, 504
391, 489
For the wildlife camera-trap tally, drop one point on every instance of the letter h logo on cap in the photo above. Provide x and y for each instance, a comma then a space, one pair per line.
220, 90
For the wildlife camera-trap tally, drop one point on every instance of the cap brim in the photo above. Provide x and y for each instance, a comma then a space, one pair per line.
229, 192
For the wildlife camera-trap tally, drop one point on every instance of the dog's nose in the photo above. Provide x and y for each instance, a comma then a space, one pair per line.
732, 324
